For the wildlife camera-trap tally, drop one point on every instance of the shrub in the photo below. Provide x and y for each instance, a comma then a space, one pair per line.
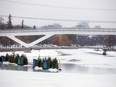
7, 57
104, 52
39, 62
43, 63
55, 63
16, 58
25, 60
49, 63
11, 59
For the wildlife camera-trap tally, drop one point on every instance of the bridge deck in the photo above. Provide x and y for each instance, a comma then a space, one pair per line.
11, 33
99, 31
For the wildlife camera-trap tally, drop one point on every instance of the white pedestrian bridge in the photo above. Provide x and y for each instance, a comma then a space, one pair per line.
12, 33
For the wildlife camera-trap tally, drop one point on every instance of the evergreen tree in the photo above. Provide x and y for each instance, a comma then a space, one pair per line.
55, 63
49, 62
11, 59
34, 27
22, 24
25, 60
7, 57
39, 62
43, 66
42, 63
9, 22
16, 58
1, 23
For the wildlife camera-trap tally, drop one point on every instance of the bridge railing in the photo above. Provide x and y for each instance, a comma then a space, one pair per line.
63, 29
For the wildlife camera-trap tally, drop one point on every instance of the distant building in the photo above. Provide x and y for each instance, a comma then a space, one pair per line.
83, 25
54, 26
97, 26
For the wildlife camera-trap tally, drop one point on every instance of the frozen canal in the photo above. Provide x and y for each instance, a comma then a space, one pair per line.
66, 68
71, 61
80, 68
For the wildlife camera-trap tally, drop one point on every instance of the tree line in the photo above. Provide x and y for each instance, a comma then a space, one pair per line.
9, 24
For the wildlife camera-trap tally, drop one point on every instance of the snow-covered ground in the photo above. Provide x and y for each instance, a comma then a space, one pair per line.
90, 57
83, 57
87, 57
38, 79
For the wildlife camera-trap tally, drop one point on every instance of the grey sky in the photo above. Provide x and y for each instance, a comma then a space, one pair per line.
107, 12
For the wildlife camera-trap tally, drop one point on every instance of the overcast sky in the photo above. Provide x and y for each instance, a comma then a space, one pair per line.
95, 10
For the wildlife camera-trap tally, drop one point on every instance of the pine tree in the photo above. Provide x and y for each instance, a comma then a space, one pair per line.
34, 27
43, 63
22, 24
7, 57
49, 62
9, 22
39, 62
1, 23
25, 60
55, 63
16, 58
11, 59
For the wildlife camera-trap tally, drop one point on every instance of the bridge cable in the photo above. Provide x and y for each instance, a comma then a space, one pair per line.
52, 19
53, 6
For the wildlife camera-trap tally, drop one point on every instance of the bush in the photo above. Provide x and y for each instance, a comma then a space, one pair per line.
16, 58
43, 62
11, 59
39, 62
49, 63
104, 52
25, 60
7, 57
55, 63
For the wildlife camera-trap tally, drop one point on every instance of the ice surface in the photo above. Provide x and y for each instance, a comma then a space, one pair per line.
38, 79
86, 57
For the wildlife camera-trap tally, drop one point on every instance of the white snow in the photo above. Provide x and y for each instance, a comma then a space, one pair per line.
90, 57
86, 57
38, 68
38, 79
